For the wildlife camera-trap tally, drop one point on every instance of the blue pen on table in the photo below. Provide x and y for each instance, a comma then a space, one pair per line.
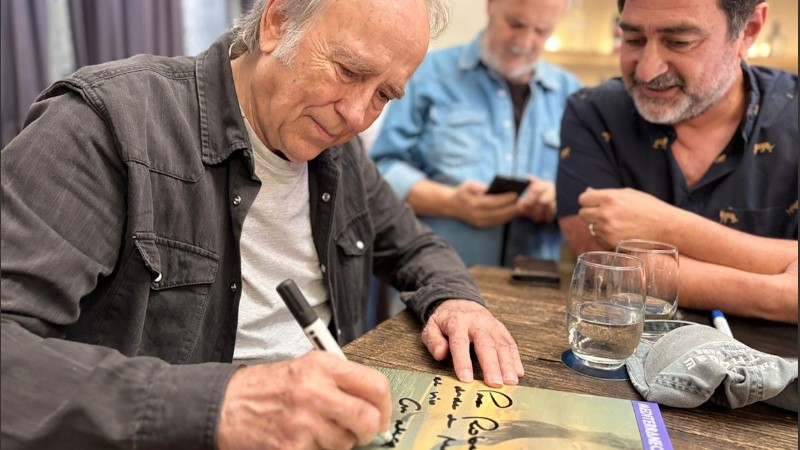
316, 331
720, 322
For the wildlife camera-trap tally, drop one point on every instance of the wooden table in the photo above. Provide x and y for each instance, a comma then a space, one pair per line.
535, 316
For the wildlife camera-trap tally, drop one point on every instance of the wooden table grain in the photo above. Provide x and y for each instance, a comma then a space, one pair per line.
535, 316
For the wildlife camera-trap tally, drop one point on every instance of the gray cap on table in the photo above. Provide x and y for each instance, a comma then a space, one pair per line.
696, 363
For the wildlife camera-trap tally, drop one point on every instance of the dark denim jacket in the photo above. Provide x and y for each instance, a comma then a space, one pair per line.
122, 208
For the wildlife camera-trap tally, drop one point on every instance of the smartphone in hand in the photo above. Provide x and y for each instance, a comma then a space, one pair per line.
502, 184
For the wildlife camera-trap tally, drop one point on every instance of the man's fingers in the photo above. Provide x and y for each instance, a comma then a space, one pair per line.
588, 215
331, 434
590, 197
352, 407
483, 218
540, 212
463, 324
459, 351
508, 356
369, 388
344, 394
498, 355
357, 420
435, 341
499, 200
486, 351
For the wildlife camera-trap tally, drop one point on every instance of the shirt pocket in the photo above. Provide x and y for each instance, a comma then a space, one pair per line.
181, 278
551, 138
776, 222
546, 164
457, 135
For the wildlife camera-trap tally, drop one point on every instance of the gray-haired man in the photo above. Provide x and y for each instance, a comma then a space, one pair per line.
151, 206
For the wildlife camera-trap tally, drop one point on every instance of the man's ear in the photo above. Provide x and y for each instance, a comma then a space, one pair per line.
272, 26
489, 6
752, 28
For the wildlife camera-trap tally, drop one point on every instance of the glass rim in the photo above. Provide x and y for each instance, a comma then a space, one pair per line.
659, 247
638, 261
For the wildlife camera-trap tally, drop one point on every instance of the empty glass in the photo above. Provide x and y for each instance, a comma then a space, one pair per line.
661, 268
605, 308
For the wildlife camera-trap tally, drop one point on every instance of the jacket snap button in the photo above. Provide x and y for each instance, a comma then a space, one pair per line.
237, 200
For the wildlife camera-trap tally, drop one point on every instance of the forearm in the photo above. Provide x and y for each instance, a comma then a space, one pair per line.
705, 240
86, 396
420, 264
429, 198
747, 294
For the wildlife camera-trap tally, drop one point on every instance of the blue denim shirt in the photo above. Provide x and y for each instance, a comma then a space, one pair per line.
123, 201
751, 187
456, 123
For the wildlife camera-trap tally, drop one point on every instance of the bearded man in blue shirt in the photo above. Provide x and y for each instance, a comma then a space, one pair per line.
472, 112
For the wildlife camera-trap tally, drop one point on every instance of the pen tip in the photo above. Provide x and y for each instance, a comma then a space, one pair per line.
383, 438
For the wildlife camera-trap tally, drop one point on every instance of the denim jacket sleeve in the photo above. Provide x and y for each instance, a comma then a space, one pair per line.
63, 214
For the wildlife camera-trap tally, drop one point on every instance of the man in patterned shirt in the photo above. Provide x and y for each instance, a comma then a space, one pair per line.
692, 147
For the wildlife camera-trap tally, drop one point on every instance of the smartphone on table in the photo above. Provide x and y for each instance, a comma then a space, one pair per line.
534, 271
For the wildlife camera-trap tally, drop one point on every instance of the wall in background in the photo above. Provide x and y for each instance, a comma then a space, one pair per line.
585, 35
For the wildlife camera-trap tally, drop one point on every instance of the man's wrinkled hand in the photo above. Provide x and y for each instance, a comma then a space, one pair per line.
316, 401
455, 324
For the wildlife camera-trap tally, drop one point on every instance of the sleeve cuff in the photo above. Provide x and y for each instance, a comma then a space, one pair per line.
401, 177
182, 406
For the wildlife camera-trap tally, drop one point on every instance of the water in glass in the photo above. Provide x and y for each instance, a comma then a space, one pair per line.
605, 308
604, 334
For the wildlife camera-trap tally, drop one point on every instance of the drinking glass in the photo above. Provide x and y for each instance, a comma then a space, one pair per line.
661, 270
605, 308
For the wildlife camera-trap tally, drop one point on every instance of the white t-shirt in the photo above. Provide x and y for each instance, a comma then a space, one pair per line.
277, 244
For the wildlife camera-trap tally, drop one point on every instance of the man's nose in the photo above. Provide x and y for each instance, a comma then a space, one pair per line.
525, 38
353, 108
651, 63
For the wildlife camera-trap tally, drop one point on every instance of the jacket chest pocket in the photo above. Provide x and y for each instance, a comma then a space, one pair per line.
354, 254
181, 278
354, 240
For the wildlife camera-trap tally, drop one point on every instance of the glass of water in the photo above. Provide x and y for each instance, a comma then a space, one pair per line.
605, 308
661, 270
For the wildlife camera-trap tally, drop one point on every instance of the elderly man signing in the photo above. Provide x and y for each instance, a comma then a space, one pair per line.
151, 206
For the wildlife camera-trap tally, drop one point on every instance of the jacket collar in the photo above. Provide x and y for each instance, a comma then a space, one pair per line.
221, 126
470, 59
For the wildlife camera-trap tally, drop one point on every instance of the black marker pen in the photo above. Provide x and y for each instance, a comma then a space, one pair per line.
312, 326
316, 331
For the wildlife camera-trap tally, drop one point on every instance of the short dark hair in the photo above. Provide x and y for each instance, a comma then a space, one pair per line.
737, 12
